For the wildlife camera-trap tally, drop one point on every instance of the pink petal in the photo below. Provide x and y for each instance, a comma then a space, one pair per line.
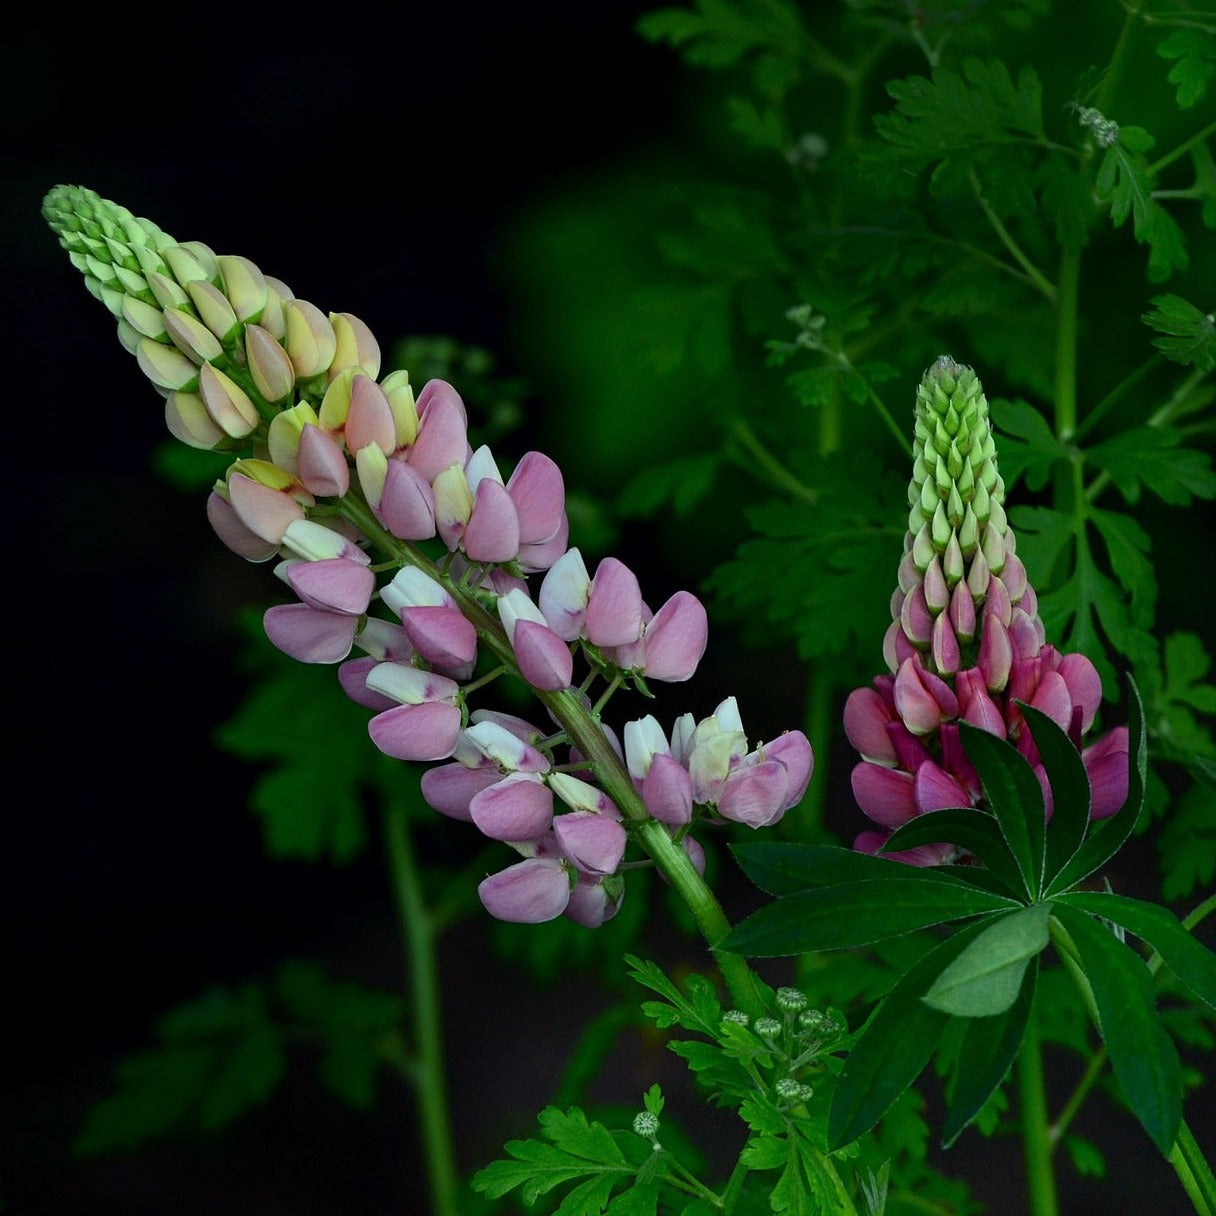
235, 535
754, 795
996, 653
539, 494
450, 788
321, 464
866, 715
914, 703
352, 676
335, 584
667, 790
370, 417
563, 595
1084, 686
407, 503
492, 531
885, 795
793, 749
528, 892
426, 731
594, 843
517, 807
614, 607
541, 556
442, 430
309, 634
544, 659
676, 639
442, 636
591, 904
264, 511
934, 789
1051, 697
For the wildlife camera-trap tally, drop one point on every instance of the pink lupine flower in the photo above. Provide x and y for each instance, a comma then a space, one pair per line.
234, 533
563, 595
592, 903
663, 782
672, 641
544, 659
310, 635
407, 502
538, 491
426, 723
965, 642
518, 806
614, 605
594, 843
442, 431
439, 631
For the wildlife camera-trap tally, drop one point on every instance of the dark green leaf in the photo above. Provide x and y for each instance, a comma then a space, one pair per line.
1152, 456
856, 914
1142, 1054
1184, 333
1183, 954
985, 979
894, 1046
988, 1049
969, 828
1036, 449
1193, 49
1187, 843
1069, 788
1015, 797
785, 867
1109, 836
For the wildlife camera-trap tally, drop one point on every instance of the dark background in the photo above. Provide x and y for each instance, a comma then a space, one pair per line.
375, 161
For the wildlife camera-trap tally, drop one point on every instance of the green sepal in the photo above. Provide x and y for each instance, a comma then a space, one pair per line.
1142, 1054
1012, 791
894, 1046
986, 978
1192, 962
970, 828
1070, 794
988, 1049
857, 914
1104, 841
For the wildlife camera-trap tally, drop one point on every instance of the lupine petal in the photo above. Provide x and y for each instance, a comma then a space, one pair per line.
793, 749
519, 806
538, 491
264, 511
310, 635
755, 795
369, 419
529, 892
416, 732
614, 607
229, 527
450, 788
1084, 686
676, 639
442, 636
934, 789
492, 531
335, 584
544, 659
352, 676
442, 430
407, 502
591, 903
563, 595
667, 790
594, 843
885, 795
866, 715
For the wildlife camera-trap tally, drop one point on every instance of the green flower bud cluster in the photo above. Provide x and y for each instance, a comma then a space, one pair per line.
227, 347
956, 492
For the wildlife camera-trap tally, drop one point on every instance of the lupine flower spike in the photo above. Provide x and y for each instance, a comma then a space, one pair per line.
965, 642
334, 463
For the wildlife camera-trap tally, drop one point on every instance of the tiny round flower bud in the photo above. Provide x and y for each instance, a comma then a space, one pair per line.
768, 1028
646, 1124
790, 1089
790, 1000
737, 1016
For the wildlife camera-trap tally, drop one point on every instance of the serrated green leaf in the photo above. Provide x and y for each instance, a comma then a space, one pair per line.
1035, 449
1143, 1056
856, 914
1014, 796
1187, 843
1194, 49
986, 978
1123, 181
986, 1053
681, 483
894, 1046
1153, 457
1070, 792
1183, 954
1185, 334
1108, 836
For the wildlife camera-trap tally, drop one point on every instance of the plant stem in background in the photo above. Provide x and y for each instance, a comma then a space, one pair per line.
419, 939
1036, 1142
1194, 1172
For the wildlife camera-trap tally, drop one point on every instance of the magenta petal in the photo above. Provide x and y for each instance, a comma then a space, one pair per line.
667, 790
754, 795
865, 723
1084, 686
962, 611
914, 703
915, 617
352, 676
793, 749
996, 653
1106, 763
1051, 697
594, 843
885, 795
450, 788
426, 731
676, 638
310, 635
517, 807
335, 584
407, 504
492, 531
544, 659
229, 528
934, 789
945, 646
539, 495
528, 892
442, 636
614, 607
321, 463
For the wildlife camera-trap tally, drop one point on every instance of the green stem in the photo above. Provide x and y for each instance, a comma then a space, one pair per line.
418, 939
1067, 302
776, 472
1036, 1141
1036, 277
1182, 149
1093, 1070
1194, 1172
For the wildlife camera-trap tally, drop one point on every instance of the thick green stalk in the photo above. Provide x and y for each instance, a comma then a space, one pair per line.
1068, 293
430, 1080
1036, 1141
1194, 1172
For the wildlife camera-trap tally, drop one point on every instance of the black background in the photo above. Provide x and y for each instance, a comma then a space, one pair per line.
372, 159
